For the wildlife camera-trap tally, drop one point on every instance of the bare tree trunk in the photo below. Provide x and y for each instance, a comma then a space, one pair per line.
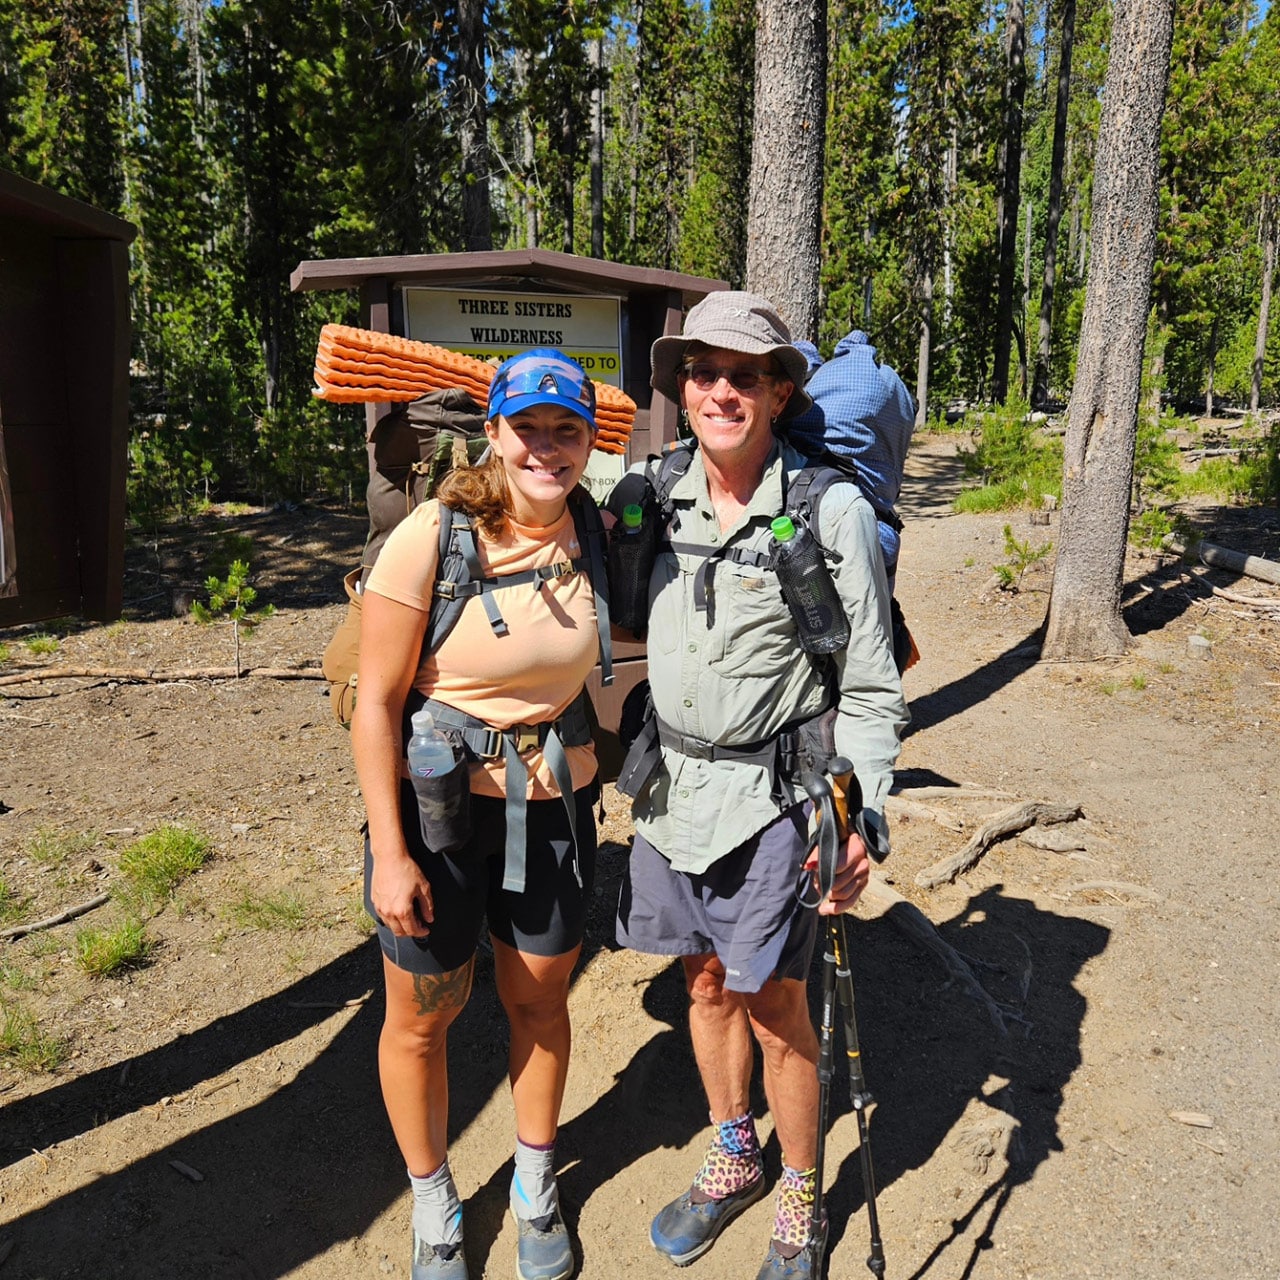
597, 152
528, 157
1011, 167
1102, 424
785, 212
1209, 372
473, 127
1264, 312
1040, 388
926, 343
1023, 326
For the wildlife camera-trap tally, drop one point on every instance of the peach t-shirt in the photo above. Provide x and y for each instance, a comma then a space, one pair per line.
527, 676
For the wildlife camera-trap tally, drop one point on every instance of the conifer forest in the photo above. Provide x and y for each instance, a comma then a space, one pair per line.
958, 161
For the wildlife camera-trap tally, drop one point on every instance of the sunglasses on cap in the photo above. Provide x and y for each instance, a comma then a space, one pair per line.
705, 375
542, 376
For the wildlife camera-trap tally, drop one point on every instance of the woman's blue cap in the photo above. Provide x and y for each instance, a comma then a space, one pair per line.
542, 376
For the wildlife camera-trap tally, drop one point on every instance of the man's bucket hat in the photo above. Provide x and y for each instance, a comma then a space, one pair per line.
542, 376
732, 321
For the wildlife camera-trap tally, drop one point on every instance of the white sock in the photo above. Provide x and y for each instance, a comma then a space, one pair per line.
437, 1211
533, 1185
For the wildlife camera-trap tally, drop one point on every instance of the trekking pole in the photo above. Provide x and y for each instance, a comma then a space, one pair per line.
837, 986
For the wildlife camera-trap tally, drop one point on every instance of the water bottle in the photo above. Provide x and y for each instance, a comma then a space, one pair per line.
443, 790
632, 549
807, 588
430, 752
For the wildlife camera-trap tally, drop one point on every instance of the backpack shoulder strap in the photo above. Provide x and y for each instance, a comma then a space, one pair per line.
454, 569
591, 538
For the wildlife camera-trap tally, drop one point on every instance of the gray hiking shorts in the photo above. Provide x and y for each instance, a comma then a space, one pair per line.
744, 907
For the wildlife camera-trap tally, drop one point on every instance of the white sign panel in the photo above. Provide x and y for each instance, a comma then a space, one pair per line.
497, 324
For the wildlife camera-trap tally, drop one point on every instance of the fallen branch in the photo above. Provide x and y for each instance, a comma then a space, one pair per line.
1225, 558
881, 900
148, 676
21, 930
1019, 817
901, 807
1254, 602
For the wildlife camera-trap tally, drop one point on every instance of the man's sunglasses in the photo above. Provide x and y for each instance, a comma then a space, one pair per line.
704, 376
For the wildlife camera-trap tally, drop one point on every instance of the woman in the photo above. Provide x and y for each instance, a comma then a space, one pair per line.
523, 678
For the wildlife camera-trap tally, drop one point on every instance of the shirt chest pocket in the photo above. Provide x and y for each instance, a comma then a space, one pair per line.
751, 628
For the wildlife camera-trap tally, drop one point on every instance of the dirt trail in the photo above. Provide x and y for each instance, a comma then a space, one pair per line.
218, 1115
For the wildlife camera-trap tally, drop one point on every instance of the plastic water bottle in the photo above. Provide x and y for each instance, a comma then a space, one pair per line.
807, 588
430, 753
632, 549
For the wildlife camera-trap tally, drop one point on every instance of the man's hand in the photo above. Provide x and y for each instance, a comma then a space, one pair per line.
851, 877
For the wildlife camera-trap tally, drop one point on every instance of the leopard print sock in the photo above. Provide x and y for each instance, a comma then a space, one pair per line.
794, 1216
732, 1162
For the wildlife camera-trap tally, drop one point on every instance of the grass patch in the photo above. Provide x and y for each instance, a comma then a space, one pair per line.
1220, 478
25, 1045
1139, 682
11, 903
155, 865
51, 847
15, 977
102, 952
41, 643
5, 654
1166, 668
274, 911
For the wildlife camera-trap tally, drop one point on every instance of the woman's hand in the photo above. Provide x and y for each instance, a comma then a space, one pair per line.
401, 895
851, 877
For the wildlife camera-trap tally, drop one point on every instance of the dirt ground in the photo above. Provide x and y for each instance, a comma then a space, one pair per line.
217, 1113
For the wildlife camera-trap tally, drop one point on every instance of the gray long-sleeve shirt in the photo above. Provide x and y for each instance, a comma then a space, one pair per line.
735, 674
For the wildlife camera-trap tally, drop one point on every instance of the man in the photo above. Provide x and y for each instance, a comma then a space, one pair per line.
719, 864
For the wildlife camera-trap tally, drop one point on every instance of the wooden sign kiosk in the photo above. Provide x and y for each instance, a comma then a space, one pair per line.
496, 303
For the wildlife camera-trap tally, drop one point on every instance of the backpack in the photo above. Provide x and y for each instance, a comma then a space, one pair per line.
459, 576
411, 450
803, 493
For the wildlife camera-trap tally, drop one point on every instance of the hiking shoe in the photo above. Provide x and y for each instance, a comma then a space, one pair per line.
438, 1261
778, 1267
543, 1251
686, 1229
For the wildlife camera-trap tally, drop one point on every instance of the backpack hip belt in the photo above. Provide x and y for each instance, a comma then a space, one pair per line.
571, 729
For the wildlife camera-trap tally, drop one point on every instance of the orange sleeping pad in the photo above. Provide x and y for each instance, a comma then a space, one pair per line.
360, 365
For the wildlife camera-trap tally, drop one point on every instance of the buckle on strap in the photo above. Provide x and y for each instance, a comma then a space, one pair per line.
447, 590
527, 737
561, 569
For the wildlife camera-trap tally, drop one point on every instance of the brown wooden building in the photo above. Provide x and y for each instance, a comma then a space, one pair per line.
64, 399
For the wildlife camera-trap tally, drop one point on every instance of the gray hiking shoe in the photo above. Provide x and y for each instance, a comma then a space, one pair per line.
437, 1262
688, 1226
543, 1251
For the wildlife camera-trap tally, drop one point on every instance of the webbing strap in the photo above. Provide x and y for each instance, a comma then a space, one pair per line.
471, 558
703, 579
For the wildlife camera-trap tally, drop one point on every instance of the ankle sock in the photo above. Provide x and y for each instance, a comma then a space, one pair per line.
437, 1211
732, 1161
793, 1219
533, 1185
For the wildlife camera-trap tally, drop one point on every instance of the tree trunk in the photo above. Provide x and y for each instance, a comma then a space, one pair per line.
1269, 223
1023, 327
1102, 423
1040, 389
1210, 370
926, 343
1011, 166
528, 156
597, 152
473, 126
785, 212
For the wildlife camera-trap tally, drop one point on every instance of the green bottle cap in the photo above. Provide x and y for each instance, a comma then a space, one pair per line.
632, 515
783, 528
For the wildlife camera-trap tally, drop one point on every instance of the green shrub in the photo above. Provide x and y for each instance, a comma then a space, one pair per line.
102, 952
1013, 463
155, 865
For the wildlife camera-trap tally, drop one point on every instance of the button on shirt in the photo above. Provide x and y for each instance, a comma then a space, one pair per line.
734, 673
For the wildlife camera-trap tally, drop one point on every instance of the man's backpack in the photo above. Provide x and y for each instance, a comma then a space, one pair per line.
803, 492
